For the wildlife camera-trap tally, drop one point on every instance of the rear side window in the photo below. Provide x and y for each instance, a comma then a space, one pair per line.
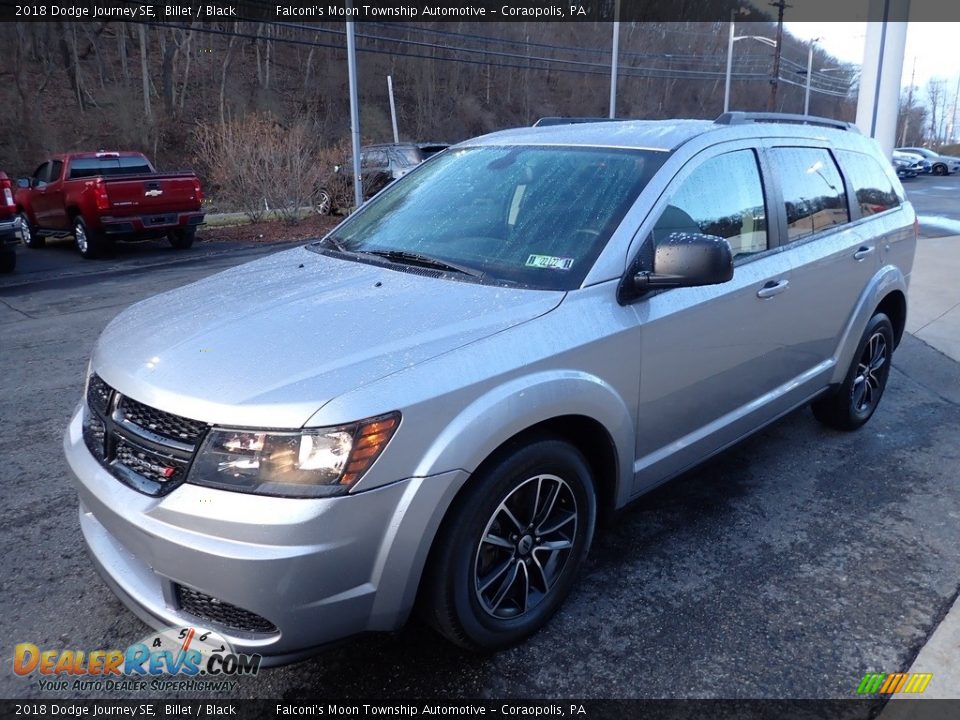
873, 188
108, 166
373, 159
813, 192
722, 197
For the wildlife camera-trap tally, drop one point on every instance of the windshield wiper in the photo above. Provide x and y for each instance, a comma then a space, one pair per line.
337, 244
410, 258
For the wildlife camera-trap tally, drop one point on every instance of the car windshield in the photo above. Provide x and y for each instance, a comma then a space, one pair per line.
531, 216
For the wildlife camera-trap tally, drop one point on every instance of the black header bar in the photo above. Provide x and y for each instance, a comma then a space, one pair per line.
299, 11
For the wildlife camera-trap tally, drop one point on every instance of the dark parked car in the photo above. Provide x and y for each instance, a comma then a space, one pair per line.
908, 165
9, 226
379, 166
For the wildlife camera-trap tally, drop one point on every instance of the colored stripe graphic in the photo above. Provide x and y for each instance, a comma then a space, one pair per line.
918, 682
871, 683
893, 683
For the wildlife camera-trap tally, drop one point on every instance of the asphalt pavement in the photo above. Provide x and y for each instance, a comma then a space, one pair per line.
789, 566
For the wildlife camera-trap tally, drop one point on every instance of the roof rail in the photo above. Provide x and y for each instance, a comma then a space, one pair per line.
740, 118
547, 121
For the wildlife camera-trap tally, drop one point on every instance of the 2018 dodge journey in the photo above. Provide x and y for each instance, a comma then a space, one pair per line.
430, 407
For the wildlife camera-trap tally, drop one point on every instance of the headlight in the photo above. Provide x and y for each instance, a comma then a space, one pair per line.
308, 463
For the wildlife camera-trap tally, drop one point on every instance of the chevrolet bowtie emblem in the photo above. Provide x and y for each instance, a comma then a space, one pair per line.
153, 193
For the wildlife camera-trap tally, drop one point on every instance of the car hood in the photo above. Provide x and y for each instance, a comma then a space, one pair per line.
267, 343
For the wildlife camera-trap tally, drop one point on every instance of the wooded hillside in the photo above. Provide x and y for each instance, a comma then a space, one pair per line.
150, 86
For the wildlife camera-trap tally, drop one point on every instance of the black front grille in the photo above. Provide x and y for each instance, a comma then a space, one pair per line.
209, 608
153, 466
148, 449
94, 434
162, 423
98, 394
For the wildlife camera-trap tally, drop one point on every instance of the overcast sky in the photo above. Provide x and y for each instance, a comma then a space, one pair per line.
934, 47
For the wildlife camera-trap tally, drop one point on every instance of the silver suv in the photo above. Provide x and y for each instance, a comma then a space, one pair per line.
432, 406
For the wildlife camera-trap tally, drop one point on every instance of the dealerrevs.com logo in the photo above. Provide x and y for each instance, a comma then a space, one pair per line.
182, 658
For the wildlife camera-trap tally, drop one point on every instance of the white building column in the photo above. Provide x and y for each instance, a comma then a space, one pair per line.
879, 98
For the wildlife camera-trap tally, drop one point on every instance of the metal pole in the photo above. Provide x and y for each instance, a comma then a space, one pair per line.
614, 59
726, 86
775, 75
806, 95
393, 110
354, 113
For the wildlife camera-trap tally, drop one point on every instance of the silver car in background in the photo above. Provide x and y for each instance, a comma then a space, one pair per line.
939, 164
432, 406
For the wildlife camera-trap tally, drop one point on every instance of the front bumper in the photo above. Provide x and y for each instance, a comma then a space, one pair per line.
10, 231
318, 569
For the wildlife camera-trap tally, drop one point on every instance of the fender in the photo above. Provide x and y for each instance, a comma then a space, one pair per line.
887, 280
492, 419
489, 421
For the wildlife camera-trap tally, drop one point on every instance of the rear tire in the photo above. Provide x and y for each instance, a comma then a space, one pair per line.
182, 239
90, 243
511, 546
28, 233
857, 398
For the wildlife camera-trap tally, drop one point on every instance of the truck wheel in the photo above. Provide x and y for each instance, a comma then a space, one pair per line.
510, 548
90, 243
182, 239
855, 401
28, 233
8, 260
323, 202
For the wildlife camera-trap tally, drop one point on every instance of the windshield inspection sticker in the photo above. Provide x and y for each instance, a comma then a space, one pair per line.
549, 262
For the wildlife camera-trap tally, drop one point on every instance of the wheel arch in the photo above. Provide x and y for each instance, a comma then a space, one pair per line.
894, 306
887, 293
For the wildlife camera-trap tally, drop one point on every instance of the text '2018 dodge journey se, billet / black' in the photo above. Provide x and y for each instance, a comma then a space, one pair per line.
431, 406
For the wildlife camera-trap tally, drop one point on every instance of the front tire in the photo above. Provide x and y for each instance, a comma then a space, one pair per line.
940, 169
28, 233
512, 545
857, 398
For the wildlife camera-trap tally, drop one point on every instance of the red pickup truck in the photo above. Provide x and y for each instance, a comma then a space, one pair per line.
9, 226
105, 196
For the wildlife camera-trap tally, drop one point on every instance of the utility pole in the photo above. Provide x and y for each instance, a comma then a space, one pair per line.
953, 113
781, 5
354, 113
906, 115
615, 59
726, 84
